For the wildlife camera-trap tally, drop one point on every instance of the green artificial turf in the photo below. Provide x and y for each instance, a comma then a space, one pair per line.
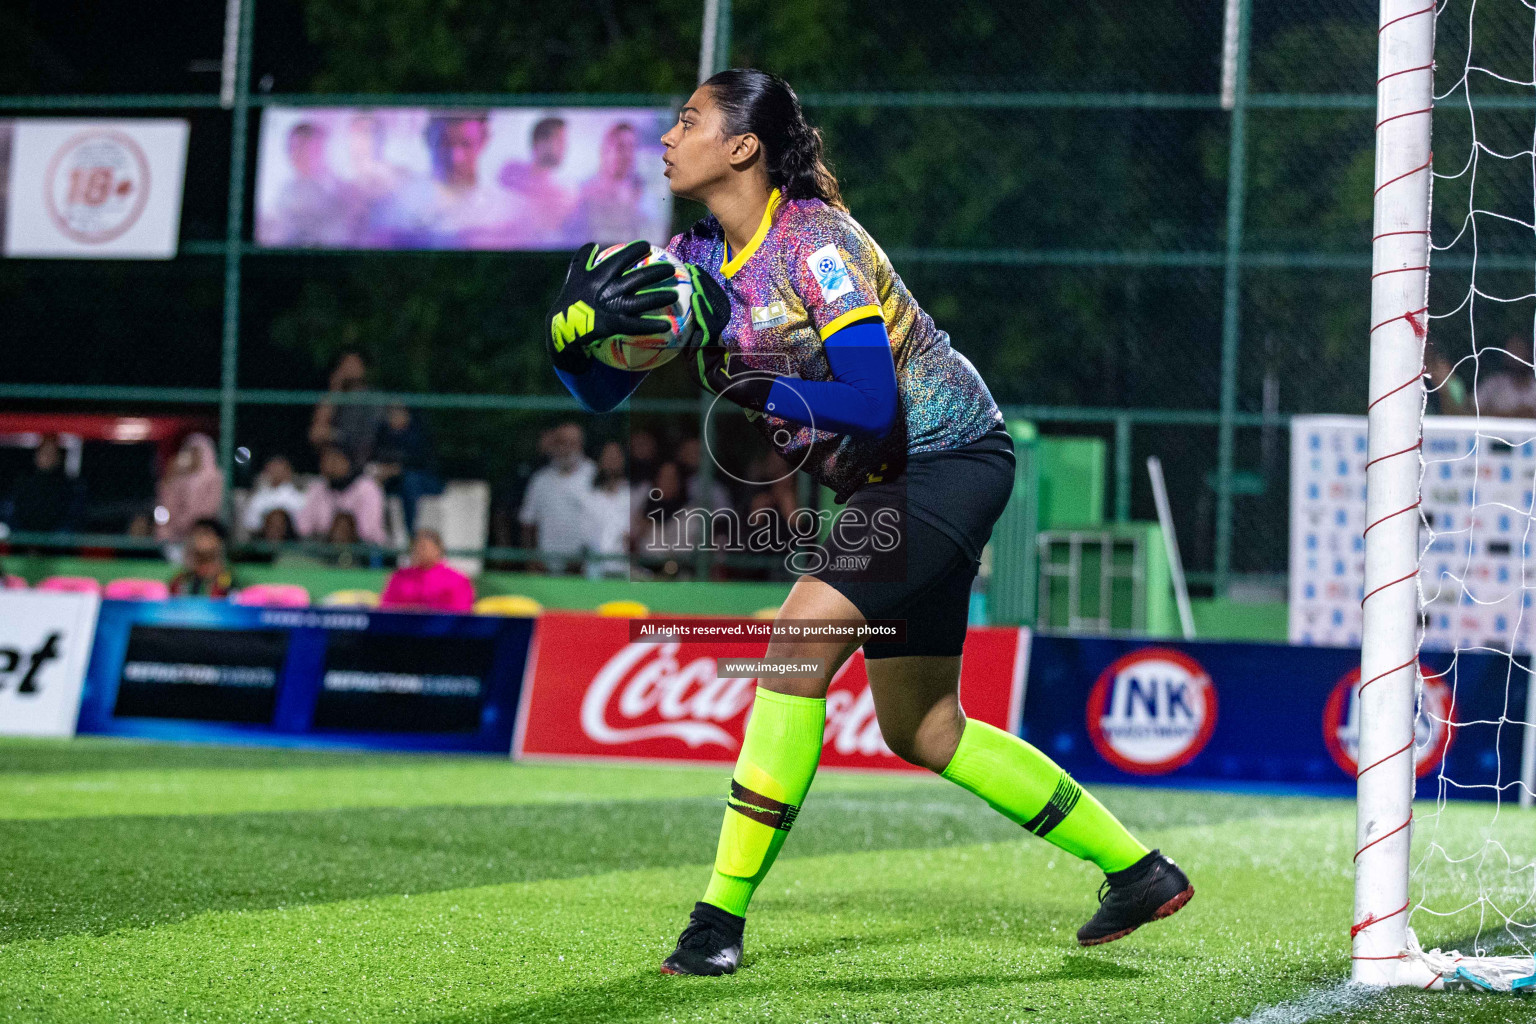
154, 883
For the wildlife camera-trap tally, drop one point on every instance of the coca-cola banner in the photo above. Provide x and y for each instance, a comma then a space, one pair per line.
591, 692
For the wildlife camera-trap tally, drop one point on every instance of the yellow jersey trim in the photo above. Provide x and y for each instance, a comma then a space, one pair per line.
863, 312
733, 264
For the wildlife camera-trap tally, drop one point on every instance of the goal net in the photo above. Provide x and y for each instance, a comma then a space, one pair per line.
1445, 892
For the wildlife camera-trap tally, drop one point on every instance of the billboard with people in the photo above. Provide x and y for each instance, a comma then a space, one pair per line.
417, 178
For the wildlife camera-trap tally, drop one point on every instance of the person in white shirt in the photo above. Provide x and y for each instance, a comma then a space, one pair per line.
608, 513
553, 515
275, 489
1506, 383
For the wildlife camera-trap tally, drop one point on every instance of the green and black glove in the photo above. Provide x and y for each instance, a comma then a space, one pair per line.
721, 370
604, 298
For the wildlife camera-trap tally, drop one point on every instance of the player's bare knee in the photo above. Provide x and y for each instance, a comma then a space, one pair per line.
917, 749
927, 743
938, 736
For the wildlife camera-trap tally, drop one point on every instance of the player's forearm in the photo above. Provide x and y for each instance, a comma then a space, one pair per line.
862, 397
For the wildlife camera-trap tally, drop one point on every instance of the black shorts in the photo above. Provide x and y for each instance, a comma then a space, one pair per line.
909, 547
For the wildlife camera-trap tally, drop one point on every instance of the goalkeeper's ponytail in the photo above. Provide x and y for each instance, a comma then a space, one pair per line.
763, 104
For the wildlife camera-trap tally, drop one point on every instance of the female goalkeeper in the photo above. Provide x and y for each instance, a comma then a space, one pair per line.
804, 323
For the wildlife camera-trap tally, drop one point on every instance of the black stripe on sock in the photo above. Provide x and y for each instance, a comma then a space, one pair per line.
740, 792
761, 809
1057, 807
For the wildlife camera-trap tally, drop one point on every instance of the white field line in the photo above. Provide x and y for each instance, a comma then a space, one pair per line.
1319, 1002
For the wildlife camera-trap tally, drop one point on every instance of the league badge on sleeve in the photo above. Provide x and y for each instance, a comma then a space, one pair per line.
831, 272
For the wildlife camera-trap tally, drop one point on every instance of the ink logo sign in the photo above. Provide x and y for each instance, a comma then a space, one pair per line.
1152, 711
1431, 728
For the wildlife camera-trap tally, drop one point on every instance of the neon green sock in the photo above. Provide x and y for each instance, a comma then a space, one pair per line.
1028, 788
773, 773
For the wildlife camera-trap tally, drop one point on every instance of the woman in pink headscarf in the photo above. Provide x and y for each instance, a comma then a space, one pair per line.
428, 583
191, 489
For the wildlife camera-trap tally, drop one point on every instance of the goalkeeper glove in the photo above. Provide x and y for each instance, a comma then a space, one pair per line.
720, 370
601, 299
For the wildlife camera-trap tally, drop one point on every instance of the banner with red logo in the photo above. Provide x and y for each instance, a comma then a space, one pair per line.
1432, 731
591, 692
1169, 713
1152, 711
83, 188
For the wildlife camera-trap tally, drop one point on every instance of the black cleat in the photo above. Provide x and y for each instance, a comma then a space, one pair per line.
1149, 890
710, 945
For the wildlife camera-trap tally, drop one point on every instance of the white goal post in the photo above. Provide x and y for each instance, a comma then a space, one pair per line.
1390, 609
1384, 949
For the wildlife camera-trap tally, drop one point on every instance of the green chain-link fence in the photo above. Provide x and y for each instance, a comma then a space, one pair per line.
1119, 251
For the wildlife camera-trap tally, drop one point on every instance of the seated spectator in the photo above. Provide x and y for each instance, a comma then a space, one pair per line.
660, 528
191, 490
342, 555
405, 462
689, 456
343, 533
275, 528
275, 491
1445, 393
45, 499
1506, 384
773, 505
428, 583
607, 513
643, 456
349, 425
341, 488
205, 570
552, 512
141, 527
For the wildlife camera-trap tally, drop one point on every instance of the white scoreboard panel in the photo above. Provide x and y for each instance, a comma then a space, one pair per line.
1475, 572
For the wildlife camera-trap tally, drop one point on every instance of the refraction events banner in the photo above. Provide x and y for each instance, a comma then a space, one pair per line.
417, 178
81, 188
45, 640
192, 669
592, 693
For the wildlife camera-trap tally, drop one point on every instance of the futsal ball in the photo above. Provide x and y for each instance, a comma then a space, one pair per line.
632, 352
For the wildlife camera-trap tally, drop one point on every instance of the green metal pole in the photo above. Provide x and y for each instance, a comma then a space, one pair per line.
1231, 310
1122, 469
233, 229
716, 57
723, 41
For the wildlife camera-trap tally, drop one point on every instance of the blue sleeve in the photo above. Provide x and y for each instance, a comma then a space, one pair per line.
861, 399
601, 387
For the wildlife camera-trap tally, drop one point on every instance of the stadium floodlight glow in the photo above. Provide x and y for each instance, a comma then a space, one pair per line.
1385, 950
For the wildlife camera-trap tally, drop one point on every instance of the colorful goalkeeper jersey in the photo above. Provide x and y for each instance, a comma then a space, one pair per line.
810, 270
